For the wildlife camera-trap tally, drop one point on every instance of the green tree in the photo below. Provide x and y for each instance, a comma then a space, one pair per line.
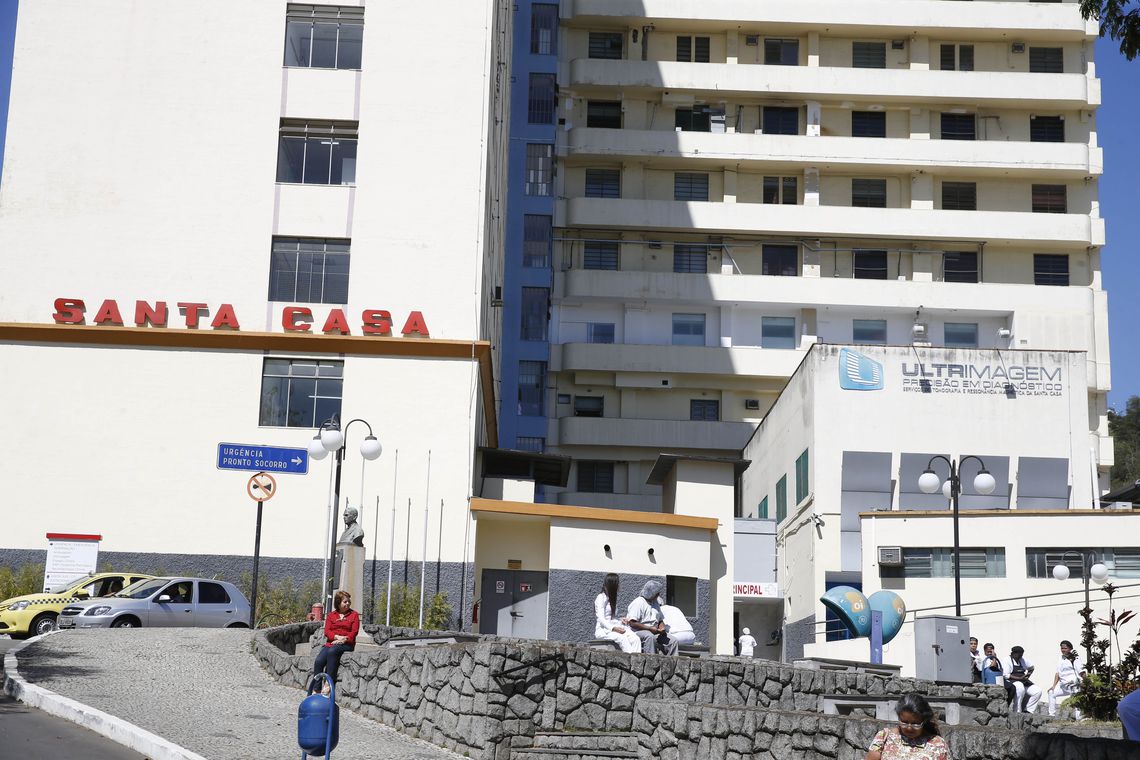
406, 608
1117, 20
1125, 431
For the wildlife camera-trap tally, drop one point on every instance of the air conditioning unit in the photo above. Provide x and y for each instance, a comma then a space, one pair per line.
1017, 47
890, 556
1123, 505
898, 44
752, 403
752, 39
919, 331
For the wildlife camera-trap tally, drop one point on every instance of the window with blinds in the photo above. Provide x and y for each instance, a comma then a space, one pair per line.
1047, 60
539, 169
1123, 562
938, 562
309, 270
606, 45
535, 313
603, 183
779, 52
1050, 269
960, 266
690, 186
956, 57
600, 255
544, 29
1049, 199
1047, 129
869, 265
693, 49
538, 233
960, 196
868, 124
603, 114
690, 258
532, 385
781, 120
704, 410
869, 55
595, 477
780, 190
958, 126
541, 99
869, 193
780, 260
869, 332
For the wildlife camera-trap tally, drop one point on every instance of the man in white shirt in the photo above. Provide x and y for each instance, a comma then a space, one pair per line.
645, 620
677, 625
1017, 670
747, 643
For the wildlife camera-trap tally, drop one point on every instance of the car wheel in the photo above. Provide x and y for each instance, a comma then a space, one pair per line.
237, 625
125, 623
44, 623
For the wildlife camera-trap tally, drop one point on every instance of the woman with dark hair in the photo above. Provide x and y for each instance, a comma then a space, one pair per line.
341, 627
915, 738
1067, 680
607, 626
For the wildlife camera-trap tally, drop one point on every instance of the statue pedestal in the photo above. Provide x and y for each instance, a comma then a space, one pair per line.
350, 572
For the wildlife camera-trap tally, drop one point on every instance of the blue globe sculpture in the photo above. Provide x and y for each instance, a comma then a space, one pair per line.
852, 609
893, 609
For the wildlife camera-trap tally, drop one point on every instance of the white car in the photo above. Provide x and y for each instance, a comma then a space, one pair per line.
158, 602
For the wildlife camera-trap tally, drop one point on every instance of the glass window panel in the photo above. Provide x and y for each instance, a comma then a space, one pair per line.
543, 30
688, 329
781, 120
298, 43
958, 126
869, 332
350, 45
537, 237
606, 45
790, 191
589, 406
310, 274
603, 114
324, 46
690, 258
960, 266
532, 383
539, 169
336, 278
701, 49
282, 276
965, 57
704, 410
343, 162
684, 49
1050, 60
1050, 269
869, 55
274, 399
541, 99
600, 332
960, 196
960, 335
778, 332
603, 183
318, 154
869, 193
535, 308
780, 260
330, 369
869, 265
601, 255
1049, 199
781, 52
868, 124
291, 159
690, 186
946, 57
303, 368
300, 411
1047, 129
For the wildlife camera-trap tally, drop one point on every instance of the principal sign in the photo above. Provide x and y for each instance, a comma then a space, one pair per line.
755, 590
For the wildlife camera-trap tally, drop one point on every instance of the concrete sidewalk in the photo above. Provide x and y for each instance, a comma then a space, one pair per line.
200, 689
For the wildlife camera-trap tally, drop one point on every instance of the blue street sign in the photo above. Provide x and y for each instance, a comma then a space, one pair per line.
255, 458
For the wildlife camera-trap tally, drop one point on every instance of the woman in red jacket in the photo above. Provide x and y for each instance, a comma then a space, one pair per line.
341, 627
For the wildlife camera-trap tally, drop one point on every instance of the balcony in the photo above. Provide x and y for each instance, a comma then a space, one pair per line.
738, 361
831, 221
671, 435
1061, 21
948, 157
726, 80
636, 502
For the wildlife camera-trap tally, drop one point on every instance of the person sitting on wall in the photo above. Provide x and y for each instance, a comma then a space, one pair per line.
677, 625
1017, 670
606, 625
341, 628
1067, 680
990, 665
646, 622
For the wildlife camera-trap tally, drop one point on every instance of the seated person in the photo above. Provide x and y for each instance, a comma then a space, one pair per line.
990, 665
677, 625
114, 587
645, 620
1017, 670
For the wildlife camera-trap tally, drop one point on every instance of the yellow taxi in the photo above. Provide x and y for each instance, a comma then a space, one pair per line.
35, 614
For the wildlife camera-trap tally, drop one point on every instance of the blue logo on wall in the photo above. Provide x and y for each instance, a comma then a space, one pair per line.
858, 373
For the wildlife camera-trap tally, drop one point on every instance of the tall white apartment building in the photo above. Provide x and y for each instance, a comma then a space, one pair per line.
228, 223
736, 181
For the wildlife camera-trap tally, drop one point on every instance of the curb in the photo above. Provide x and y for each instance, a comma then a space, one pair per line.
154, 747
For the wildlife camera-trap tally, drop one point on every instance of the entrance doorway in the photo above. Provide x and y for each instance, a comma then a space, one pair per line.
514, 603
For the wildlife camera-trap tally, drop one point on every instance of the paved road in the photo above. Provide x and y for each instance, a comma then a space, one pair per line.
29, 733
201, 689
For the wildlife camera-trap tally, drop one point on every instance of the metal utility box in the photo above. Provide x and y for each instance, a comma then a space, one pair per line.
942, 649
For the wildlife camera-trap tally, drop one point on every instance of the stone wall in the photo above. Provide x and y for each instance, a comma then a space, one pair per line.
678, 731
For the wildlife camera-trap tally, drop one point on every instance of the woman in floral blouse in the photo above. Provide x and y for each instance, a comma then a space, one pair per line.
915, 738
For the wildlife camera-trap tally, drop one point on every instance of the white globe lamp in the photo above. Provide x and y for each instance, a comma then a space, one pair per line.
317, 449
1098, 572
370, 448
929, 482
984, 483
332, 438
1061, 572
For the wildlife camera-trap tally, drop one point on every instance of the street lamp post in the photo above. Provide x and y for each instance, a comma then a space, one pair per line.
929, 482
1090, 568
331, 438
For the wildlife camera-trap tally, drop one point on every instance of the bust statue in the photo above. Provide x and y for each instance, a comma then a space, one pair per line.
353, 533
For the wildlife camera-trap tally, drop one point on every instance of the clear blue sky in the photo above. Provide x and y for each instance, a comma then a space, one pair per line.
1120, 204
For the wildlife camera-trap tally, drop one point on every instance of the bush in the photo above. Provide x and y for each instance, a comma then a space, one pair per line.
406, 608
26, 579
281, 602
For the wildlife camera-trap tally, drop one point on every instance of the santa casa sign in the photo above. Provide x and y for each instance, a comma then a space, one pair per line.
73, 311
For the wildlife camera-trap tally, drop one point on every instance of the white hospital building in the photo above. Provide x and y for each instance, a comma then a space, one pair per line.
231, 234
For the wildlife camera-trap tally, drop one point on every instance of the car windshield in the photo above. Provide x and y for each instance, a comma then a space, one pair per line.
142, 589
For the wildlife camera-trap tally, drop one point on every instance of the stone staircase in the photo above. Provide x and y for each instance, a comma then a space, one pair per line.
578, 745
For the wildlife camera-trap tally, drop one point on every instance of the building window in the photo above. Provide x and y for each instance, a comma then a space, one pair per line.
869, 193
869, 332
535, 313
538, 231
530, 443
697, 118
781, 120
960, 196
778, 332
802, 477
688, 329
690, 186
1122, 562
780, 260
532, 388
607, 45
603, 114
782, 499
781, 190
541, 99
1049, 199
595, 477
704, 410
960, 335
869, 265
781, 52
599, 332
1047, 129
544, 30
308, 270
960, 266
960, 57
681, 592
589, 406
1046, 60
323, 36
869, 55
539, 169
927, 562
603, 183
317, 152
958, 126
601, 255
868, 124
762, 509
1050, 269
300, 392
693, 49
689, 258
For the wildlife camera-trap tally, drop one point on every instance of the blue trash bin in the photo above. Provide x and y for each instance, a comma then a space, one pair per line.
318, 723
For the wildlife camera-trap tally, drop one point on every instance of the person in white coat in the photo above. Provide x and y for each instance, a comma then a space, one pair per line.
607, 625
1017, 670
747, 643
677, 625
1067, 681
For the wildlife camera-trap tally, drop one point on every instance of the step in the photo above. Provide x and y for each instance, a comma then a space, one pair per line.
541, 753
587, 742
